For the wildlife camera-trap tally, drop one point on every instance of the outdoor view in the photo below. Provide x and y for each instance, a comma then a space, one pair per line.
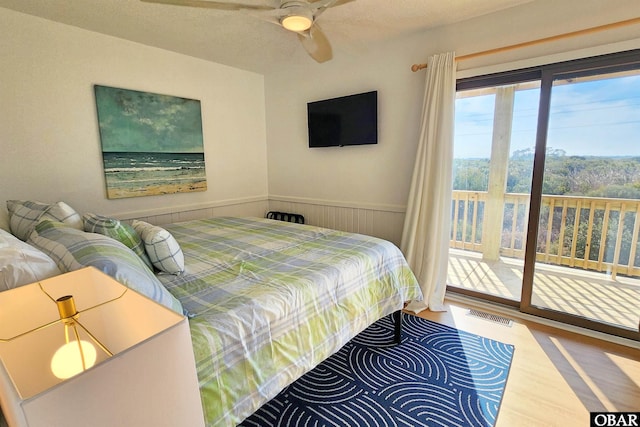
588, 254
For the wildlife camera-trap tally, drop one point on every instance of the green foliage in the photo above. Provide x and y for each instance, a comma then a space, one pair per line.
471, 174
610, 177
616, 191
601, 177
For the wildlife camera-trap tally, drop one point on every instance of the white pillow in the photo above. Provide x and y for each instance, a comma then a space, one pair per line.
24, 215
162, 248
4, 220
21, 263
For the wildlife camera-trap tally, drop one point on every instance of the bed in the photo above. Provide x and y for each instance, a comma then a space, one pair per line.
267, 300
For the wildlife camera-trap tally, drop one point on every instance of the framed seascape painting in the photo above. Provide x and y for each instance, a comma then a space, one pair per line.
151, 144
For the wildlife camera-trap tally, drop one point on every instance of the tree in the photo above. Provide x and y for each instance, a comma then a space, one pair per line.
604, 177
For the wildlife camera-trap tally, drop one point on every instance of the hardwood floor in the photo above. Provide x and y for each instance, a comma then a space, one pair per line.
557, 377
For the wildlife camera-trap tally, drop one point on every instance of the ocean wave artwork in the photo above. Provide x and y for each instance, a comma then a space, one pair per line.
143, 174
151, 144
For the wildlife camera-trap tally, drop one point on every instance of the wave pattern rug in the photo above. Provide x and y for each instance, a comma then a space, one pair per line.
437, 376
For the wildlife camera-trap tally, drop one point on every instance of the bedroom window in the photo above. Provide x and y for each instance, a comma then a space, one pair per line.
546, 197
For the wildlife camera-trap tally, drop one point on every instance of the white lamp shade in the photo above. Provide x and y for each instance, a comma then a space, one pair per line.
126, 323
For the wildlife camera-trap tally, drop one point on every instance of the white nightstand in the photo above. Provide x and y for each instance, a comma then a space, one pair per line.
150, 379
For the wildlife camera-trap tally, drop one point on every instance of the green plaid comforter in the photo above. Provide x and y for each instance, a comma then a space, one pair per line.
269, 300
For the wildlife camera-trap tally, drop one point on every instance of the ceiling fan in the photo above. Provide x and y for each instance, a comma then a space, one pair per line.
298, 16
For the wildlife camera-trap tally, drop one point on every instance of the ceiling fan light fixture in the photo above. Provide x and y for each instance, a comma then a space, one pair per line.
298, 19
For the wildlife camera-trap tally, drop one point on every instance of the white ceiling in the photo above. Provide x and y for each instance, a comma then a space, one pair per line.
240, 40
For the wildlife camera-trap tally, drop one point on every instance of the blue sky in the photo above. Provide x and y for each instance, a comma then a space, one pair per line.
589, 118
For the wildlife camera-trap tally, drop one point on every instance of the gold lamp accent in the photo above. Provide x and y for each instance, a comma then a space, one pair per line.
66, 307
76, 355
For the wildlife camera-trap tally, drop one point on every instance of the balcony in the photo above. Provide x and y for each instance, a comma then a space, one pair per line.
587, 258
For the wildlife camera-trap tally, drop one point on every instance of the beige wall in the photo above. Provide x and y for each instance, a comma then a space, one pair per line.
49, 140
255, 126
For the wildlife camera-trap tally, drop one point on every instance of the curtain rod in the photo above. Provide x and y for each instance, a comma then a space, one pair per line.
417, 67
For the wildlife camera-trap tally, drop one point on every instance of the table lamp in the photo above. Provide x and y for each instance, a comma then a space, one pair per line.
81, 349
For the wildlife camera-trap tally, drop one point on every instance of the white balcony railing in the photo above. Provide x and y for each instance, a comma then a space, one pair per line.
590, 233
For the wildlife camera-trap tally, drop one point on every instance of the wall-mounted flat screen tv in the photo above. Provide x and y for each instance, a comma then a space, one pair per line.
347, 120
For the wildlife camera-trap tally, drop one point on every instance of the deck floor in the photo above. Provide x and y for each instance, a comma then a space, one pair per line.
588, 294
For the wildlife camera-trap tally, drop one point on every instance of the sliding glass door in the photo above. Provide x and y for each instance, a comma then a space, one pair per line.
546, 199
587, 261
495, 138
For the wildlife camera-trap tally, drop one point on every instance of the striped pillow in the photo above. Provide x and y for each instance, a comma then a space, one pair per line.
73, 249
122, 232
25, 214
163, 249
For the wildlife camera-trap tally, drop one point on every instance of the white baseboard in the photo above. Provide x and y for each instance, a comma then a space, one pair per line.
514, 313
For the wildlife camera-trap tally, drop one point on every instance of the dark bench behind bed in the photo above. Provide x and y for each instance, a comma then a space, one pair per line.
285, 216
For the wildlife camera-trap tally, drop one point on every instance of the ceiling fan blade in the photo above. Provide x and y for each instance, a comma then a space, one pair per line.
333, 2
211, 4
316, 44
318, 7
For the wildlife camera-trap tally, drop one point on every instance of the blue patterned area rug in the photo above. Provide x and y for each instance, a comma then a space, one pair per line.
437, 376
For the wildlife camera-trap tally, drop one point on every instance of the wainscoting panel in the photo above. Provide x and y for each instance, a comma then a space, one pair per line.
383, 222
380, 221
256, 208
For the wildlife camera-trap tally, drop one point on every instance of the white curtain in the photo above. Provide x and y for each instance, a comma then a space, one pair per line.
427, 224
